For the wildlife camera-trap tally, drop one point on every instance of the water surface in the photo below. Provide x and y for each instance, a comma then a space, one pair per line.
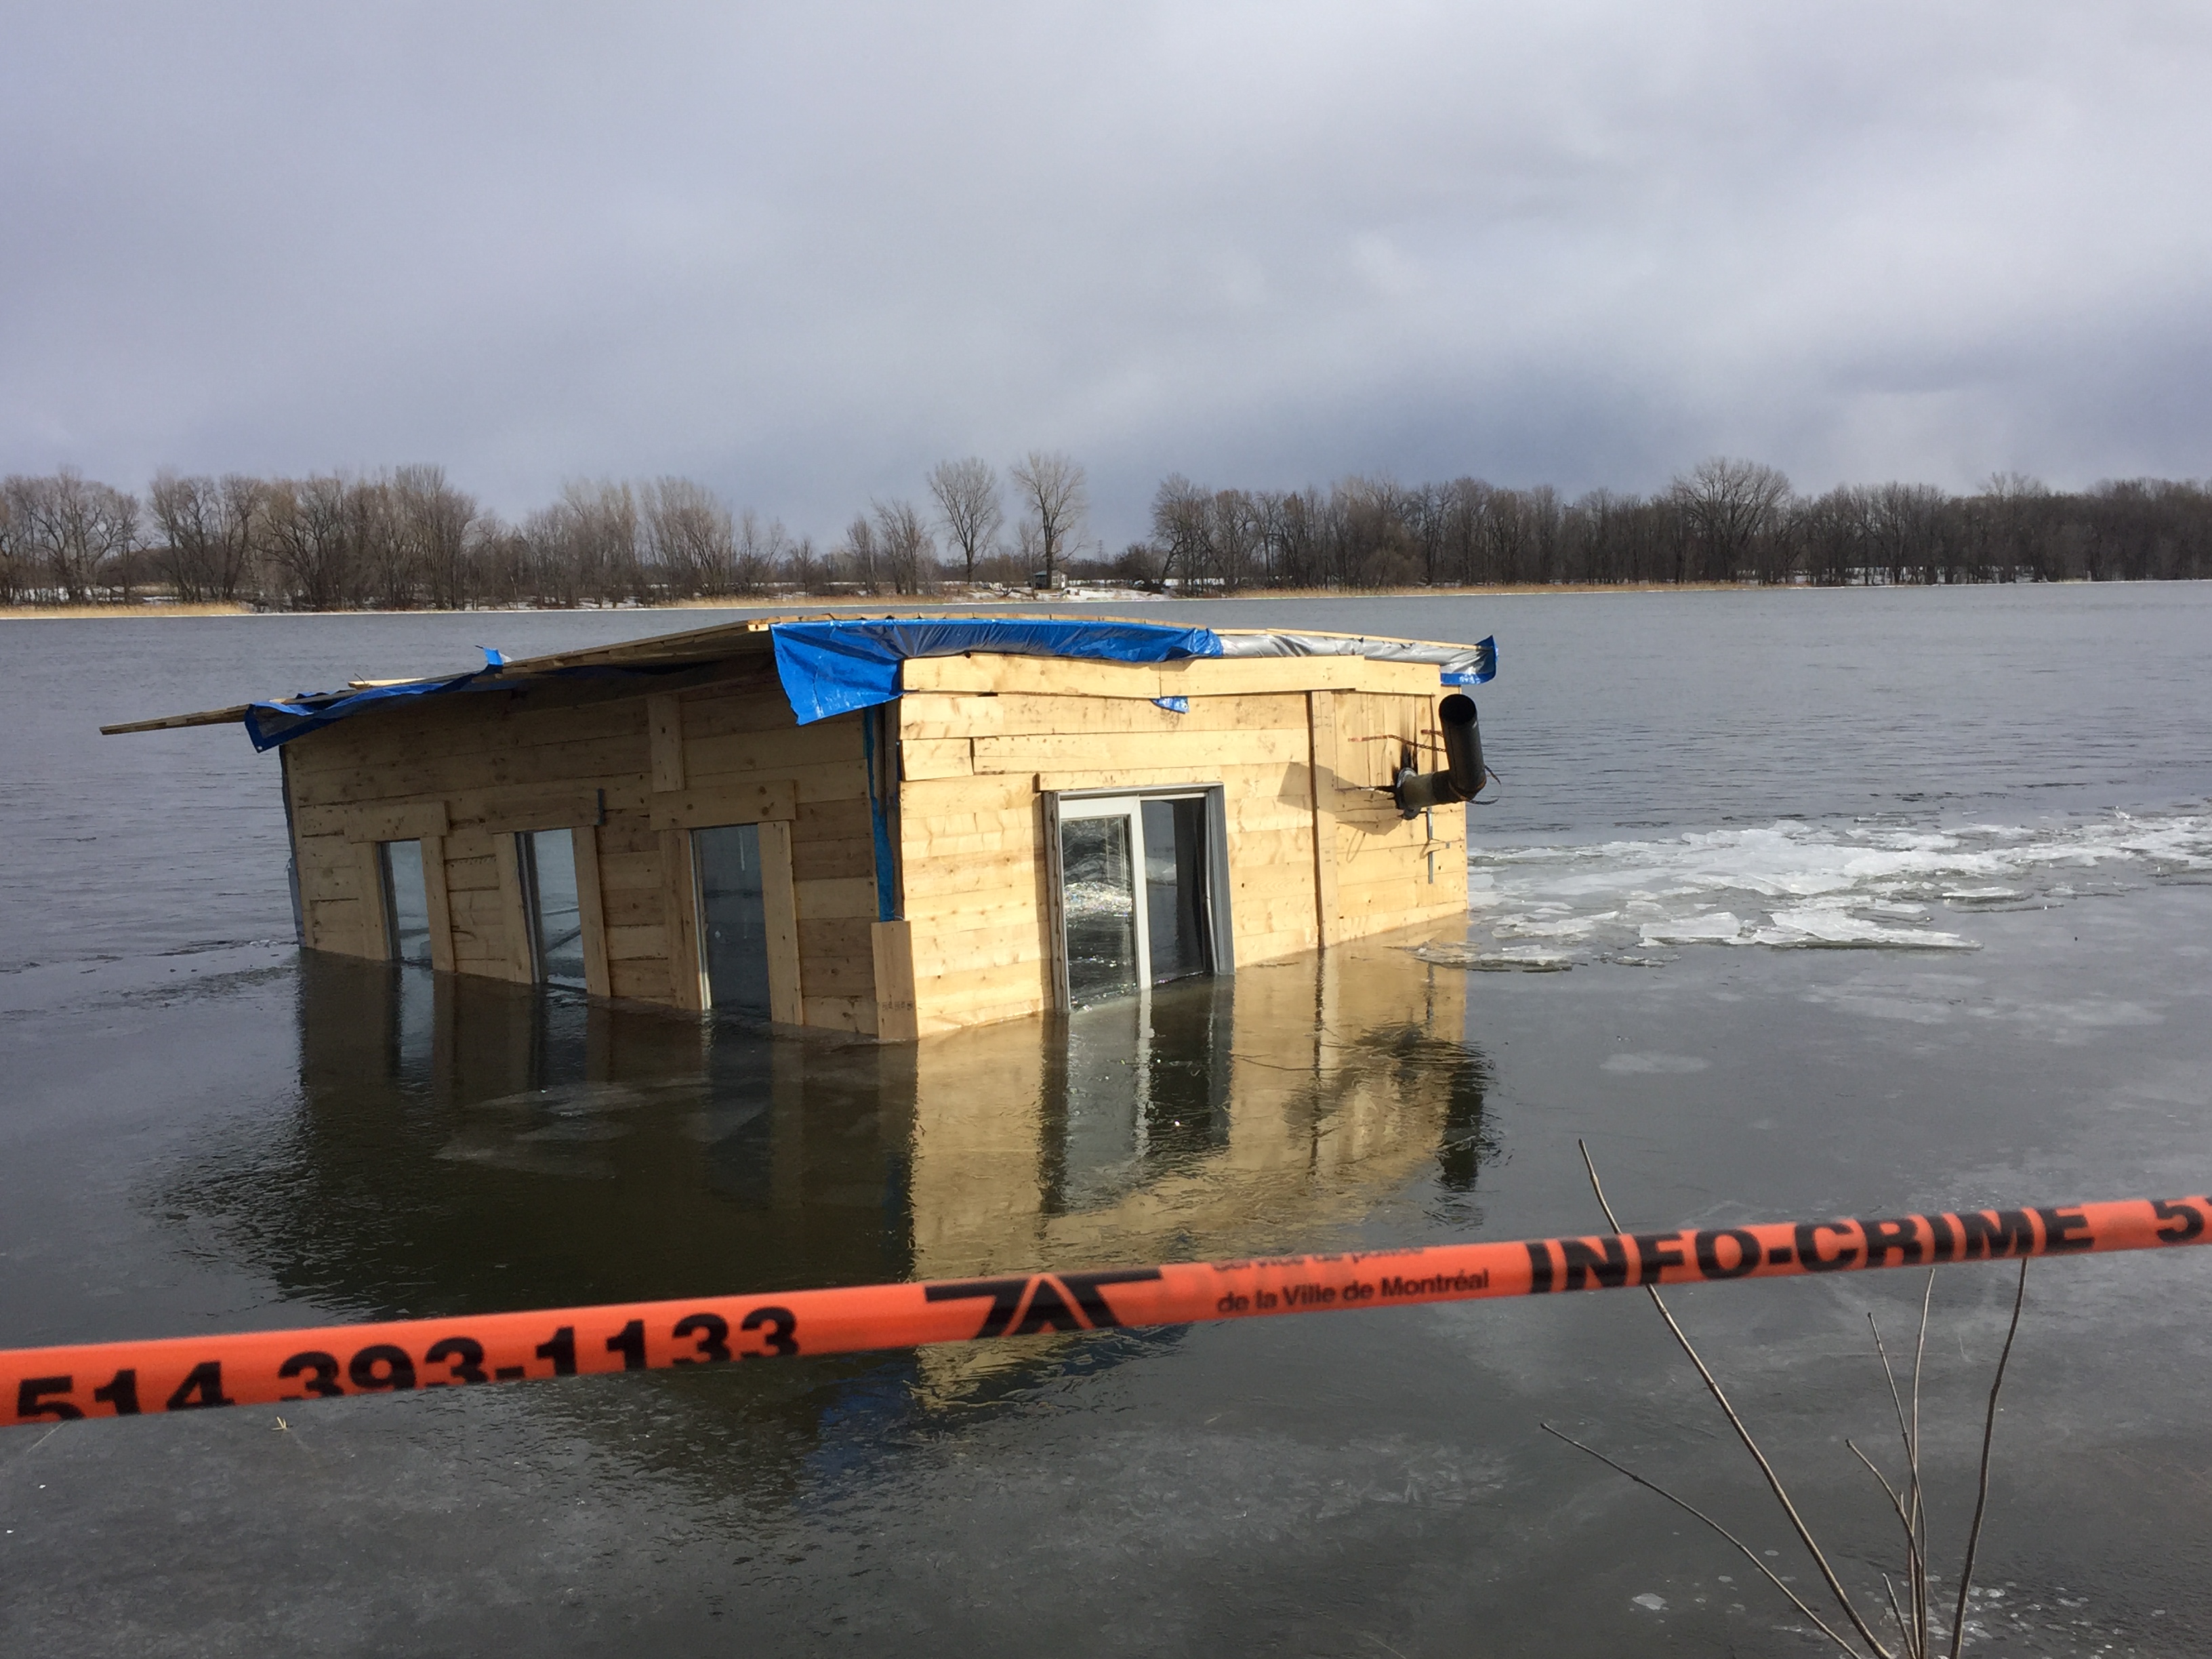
1849, 902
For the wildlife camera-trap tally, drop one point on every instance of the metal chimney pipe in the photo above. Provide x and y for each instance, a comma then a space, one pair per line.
1463, 774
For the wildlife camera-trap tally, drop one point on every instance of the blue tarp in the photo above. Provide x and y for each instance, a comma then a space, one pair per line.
281, 720
271, 723
834, 667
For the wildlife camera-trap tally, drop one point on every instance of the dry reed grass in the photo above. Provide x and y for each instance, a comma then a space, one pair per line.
110, 613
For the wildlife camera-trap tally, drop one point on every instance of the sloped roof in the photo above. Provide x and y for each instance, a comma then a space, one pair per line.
832, 664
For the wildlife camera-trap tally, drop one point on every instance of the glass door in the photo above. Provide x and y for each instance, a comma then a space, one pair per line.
1100, 898
1135, 895
557, 914
733, 917
406, 901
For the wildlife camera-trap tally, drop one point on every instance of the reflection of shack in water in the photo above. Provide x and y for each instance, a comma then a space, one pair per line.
1268, 1113
463, 1145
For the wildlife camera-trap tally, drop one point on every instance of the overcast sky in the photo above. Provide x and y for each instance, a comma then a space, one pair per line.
802, 252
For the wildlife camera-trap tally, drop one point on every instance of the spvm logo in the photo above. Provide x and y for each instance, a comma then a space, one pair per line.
1042, 1302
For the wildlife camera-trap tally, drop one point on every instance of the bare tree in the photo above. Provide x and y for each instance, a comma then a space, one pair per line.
244, 510
83, 533
188, 512
2020, 526
1732, 506
583, 549
389, 560
908, 553
1054, 502
310, 546
499, 562
968, 506
691, 536
859, 557
805, 567
759, 548
15, 574
1182, 528
430, 521
1832, 530
1902, 528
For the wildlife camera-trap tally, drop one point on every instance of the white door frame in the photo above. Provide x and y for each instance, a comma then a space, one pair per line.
1065, 804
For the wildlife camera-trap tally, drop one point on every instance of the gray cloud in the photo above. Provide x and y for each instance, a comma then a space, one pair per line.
802, 252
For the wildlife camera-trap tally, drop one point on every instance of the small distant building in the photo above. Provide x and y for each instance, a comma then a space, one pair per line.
896, 827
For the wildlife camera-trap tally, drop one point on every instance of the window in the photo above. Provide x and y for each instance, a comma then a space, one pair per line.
406, 901
732, 917
1137, 891
548, 858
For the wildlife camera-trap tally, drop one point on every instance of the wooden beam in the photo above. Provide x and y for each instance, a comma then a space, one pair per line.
545, 809
376, 933
761, 801
591, 907
410, 821
893, 943
515, 961
787, 1004
664, 719
229, 716
679, 899
438, 902
1321, 732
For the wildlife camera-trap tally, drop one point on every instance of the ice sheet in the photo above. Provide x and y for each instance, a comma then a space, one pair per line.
1806, 886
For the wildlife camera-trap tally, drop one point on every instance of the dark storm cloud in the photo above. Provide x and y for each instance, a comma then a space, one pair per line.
801, 253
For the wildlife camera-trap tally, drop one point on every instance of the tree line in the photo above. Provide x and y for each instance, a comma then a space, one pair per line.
409, 538
1726, 521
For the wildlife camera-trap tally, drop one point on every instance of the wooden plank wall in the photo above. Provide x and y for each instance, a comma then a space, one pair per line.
1315, 855
638, 772
1300, 746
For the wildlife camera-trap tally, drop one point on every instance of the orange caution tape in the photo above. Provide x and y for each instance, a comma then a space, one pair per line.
123, 1379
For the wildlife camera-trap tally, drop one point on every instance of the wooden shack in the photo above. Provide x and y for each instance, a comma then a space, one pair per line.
895, 826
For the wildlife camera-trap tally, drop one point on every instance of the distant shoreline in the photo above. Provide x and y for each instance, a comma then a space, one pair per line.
1092, 599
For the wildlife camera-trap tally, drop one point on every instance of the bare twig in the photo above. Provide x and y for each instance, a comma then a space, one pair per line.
1910, 1508
1896, 1612
1889, 1372
1982, 1497
1773, 1480
1917, 1560
1743, 1548
1889, 1490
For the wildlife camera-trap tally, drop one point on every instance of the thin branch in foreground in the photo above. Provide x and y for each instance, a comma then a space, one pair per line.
1897, 1613
1889, 1490
1743, 1548
1982, 1497
1889, 1374
1773, 1480
1917, 1560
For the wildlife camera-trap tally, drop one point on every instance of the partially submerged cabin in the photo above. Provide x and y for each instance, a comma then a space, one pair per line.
895, 826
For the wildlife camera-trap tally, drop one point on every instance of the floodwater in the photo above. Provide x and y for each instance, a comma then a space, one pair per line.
1793, 904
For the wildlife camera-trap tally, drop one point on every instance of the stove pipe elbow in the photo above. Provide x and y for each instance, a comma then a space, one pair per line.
1463, 774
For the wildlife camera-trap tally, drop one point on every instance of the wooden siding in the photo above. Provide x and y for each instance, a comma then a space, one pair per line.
1303, 750
1317, 852
631, 773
